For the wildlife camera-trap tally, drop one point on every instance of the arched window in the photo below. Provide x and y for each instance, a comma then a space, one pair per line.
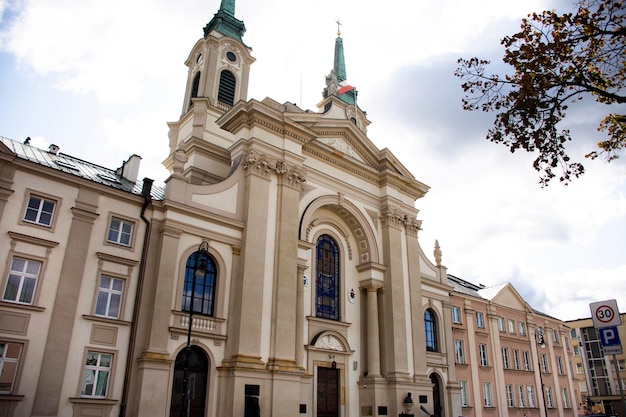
195, 85
327, 282
200, 275
226, 92
430, 330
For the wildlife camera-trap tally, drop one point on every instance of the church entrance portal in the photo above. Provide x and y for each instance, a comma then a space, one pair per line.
327, 392
197, 383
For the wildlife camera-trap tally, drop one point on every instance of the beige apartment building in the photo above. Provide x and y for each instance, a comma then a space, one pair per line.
277, 273
510, 359
596, 375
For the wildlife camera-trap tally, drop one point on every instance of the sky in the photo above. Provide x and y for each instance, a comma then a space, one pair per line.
102, 79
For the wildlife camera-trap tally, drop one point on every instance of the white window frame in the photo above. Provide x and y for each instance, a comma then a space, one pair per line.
522, 328
549, 398
488, 398
511, 323
94, 370
516, 360
482, 349
532, 401
501, 325
506, 360
555, 336
38, 210
109, 295
526, 356
521, 396
459, 351
510, 396
576, 350
559, 365
10, 364
456, 314
24, 276
115, 236
566, 402
464, 394
544, 363
480, 320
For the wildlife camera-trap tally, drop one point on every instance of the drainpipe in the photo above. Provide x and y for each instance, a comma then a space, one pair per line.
145, 192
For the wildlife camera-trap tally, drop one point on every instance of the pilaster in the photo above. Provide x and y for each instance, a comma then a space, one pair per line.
57, 346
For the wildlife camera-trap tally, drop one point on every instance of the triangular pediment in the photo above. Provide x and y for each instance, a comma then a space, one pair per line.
506, 295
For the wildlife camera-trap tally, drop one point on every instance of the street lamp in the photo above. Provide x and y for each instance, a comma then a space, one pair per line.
539, 338
196, 269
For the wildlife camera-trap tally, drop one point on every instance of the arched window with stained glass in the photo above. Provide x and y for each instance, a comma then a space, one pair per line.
200, 283
327, 282
430, 330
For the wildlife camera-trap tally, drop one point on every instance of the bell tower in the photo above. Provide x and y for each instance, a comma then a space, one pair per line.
218, 75
219, 63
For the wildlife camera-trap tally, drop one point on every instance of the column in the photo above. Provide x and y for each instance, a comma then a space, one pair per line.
373, 335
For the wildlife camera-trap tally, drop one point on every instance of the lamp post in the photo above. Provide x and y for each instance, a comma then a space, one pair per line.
196, 269
540, 340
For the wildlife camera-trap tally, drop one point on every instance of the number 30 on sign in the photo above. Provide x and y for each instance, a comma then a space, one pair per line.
605, 314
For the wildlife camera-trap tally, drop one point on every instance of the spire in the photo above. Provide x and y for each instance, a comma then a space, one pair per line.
225, 22
340, 62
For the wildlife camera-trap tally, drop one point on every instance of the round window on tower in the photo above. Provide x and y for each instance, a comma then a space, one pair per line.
231, 57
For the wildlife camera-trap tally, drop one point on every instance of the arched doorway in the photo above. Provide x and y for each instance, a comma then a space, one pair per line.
437, 408
197, 381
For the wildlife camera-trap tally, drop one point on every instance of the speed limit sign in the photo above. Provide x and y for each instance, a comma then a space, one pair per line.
605, 314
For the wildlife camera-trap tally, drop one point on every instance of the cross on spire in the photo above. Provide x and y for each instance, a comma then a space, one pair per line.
338, 28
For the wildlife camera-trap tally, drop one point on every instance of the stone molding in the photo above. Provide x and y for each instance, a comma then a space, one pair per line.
263, 165
397, 218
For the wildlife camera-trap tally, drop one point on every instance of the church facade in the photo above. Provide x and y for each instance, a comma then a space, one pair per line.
319, 288
280, 272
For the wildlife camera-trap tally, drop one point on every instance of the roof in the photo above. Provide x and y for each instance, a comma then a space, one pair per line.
78, 168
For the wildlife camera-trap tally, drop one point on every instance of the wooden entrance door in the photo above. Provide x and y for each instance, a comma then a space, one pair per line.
197, 369
327, 392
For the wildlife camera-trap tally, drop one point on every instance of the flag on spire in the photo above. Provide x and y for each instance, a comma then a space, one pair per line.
344, 89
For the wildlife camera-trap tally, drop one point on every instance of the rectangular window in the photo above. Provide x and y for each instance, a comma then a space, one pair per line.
109, 297
522, 328
565, 398
521, 396
555, 336
501, 324
549, 399
579, 368
22, 281
10, 355
544, 363
510, 396
531, 396
480, 320
511, 326
487, 394
120, 232
526, 355
456, 314
464, 394
559, 365
39, 211
459, 352
506, 364
96, 375
576, 350
516, 359
482, 349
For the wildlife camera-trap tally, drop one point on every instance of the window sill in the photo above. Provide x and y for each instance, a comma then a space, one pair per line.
11, 397
106, 320
21, 306
86, 400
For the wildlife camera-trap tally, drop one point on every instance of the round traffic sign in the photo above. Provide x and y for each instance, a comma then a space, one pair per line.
605, 313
